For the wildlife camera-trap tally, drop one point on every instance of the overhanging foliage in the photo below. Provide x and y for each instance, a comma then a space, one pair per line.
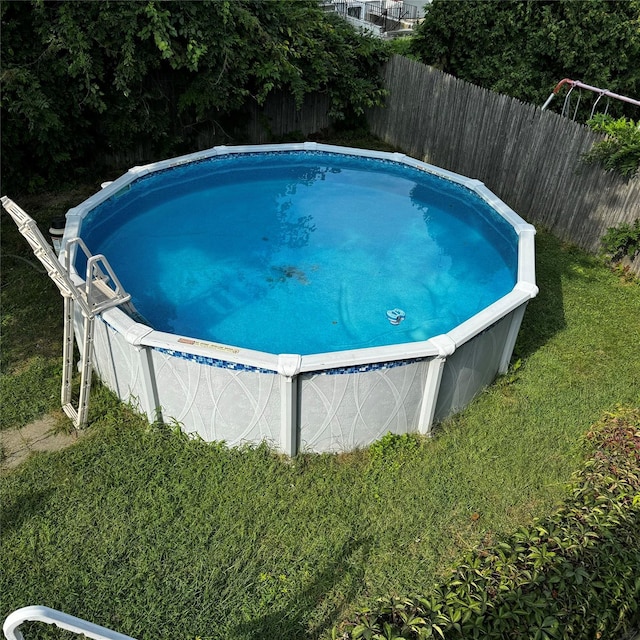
83, 78
523, 48
620, 151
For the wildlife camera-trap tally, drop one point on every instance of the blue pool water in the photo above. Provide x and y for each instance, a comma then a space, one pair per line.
303, 252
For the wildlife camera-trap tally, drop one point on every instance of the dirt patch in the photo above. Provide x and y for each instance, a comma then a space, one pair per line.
41, 435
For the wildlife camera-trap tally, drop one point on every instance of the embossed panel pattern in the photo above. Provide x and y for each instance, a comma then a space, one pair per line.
218, 403
117, 363
342, 412
471, 368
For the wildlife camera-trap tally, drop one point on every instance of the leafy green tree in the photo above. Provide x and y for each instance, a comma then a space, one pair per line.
524, 47
81, 78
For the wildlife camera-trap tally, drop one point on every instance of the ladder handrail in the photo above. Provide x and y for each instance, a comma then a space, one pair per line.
97, 265
38, 613
41, 249
95, 296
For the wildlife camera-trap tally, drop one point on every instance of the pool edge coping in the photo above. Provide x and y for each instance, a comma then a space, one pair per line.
141, 335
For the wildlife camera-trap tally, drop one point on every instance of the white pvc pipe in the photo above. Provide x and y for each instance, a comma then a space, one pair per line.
38, 613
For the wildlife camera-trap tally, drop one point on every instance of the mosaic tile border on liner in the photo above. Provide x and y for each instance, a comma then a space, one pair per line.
212, 362
364, 368
236, 366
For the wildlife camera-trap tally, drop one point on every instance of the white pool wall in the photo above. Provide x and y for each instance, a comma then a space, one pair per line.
328, 402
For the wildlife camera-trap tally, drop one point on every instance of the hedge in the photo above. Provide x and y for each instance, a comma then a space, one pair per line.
574, 574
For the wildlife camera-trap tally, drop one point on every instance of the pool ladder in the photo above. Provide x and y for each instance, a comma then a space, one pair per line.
101, 290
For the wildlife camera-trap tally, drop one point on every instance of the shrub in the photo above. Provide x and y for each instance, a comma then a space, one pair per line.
622, 241
575, 574
620, 151
87, 81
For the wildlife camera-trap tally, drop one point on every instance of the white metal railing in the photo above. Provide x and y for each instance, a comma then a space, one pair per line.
572, 84
37, 613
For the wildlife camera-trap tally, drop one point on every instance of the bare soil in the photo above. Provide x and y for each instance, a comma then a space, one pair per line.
17, 445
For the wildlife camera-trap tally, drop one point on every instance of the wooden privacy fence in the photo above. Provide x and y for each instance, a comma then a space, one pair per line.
530, 158
277, 120
279, 117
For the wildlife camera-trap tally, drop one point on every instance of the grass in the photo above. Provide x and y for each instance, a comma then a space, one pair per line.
141, 530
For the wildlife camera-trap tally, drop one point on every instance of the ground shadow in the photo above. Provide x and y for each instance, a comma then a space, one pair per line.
289, 621
22, 507
544, 316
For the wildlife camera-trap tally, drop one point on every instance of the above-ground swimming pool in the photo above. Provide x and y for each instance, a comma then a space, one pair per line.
312, 296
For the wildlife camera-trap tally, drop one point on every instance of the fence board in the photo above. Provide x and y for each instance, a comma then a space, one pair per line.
529, 157
280, 117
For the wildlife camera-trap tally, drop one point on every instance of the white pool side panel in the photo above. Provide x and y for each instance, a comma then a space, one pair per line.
328, 402
472, 367
350, 410
218, 403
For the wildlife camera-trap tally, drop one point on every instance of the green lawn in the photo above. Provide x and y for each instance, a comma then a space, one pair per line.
143, 531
